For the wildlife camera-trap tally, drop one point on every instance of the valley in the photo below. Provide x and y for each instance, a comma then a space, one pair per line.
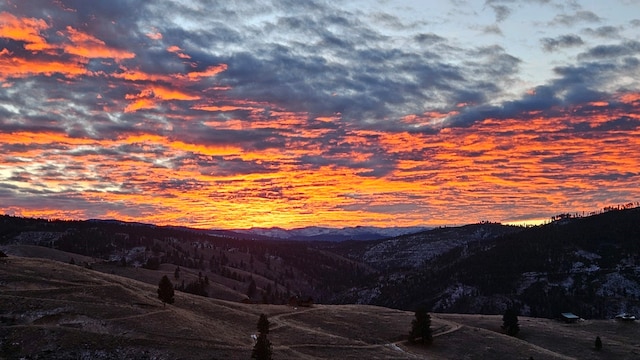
87, 289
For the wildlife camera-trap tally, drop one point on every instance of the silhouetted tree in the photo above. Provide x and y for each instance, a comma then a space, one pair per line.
510, 322
598, 343
176, 273
263, 324
421, 328
165, 290
262, 348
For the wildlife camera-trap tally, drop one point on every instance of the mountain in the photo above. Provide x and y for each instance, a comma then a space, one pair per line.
264, 270
589, 266
586, 265
314, 233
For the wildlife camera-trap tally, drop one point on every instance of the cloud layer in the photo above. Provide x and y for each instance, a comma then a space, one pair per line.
239, 114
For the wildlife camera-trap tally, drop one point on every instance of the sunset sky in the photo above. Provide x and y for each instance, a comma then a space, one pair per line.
235, 114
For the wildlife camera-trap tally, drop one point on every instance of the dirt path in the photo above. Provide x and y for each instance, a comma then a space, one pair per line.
443, 330
281, 321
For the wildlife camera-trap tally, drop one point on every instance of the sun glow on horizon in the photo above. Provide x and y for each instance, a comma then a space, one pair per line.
528, 222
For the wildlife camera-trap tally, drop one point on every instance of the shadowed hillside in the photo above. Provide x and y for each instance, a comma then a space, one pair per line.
586, 265
54, 310
589, 266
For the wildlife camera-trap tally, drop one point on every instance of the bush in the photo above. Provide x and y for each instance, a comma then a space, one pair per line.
510, 322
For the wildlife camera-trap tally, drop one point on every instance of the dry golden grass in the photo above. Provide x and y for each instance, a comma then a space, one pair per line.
56, 310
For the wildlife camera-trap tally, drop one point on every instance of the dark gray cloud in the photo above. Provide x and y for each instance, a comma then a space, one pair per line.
225, 166
627, 48
607, 32
575, 85
564, 41
493, 29
581, 16
500, 8
361, 73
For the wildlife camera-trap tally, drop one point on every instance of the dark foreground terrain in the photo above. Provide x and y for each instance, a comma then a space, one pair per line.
55, 310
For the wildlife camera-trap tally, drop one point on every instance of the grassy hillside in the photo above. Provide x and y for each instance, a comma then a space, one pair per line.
55, 310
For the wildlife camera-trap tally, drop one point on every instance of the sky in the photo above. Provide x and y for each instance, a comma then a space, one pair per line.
238, 114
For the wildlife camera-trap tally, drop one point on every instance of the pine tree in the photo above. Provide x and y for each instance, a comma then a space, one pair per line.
262, 348
510, 322
165, 290
263, 324
598, 343
421, 328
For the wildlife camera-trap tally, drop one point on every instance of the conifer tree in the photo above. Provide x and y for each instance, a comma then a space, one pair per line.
165, 290
263, 324
598, 343
510, 322
421, 328
262, 348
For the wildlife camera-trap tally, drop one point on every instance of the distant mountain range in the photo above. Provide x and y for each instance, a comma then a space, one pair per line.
313, 233
309, 233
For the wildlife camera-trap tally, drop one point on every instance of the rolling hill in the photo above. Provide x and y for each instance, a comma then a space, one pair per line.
55, 310
587, 265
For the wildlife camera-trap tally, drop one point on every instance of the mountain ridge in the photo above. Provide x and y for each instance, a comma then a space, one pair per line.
587, 265
311, 233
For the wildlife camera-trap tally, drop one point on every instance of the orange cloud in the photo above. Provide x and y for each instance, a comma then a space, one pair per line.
135, 75
630, 98
24, 29
494, 167
221, 108
140, 104
165, 93
599, 103
154, 36
176, 50
16, 67
86, 45
149, 97
210, 71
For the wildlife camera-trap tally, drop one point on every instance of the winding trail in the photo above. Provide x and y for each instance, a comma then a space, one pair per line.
399, 347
